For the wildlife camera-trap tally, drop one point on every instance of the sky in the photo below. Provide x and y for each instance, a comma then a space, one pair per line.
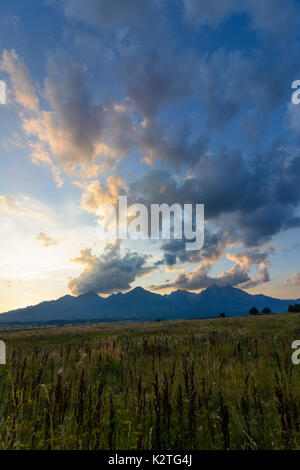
166, 101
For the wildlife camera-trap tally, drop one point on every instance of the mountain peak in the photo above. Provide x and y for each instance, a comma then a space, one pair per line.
89, 295
179, 292
216, 290
138, 290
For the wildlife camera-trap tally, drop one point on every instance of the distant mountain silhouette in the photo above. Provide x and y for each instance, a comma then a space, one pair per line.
140, 304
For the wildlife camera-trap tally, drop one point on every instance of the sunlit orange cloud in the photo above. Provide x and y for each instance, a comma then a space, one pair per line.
24, 93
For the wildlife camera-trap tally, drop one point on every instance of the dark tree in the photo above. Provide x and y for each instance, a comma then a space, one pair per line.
266, 310
294, 308
222, 315
253, 311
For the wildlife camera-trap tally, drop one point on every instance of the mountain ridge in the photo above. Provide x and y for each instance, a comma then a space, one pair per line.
140, 304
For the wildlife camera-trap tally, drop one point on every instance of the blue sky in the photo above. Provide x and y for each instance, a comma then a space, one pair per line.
175, 101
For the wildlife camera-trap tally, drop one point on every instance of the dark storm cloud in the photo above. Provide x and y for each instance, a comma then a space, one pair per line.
158, 78
177, 149
258, 197
212, 251
231, 84
110, 272
227, 86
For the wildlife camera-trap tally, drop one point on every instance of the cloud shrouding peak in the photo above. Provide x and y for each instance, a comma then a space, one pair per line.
108, 273
238, 274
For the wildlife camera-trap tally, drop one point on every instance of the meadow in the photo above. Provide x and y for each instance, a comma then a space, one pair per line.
226, 383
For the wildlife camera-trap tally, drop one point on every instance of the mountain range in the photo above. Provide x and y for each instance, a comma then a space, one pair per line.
142, 305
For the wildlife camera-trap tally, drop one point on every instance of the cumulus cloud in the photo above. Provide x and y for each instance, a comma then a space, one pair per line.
257, 200
238, 274
200, 278
109, 272
213, 250
96, 193
246, 259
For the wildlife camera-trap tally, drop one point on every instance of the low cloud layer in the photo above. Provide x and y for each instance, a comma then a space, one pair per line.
238, 274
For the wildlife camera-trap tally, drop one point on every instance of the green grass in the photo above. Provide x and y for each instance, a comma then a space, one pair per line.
202, 384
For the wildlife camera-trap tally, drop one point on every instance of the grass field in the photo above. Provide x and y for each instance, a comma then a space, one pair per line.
201, 384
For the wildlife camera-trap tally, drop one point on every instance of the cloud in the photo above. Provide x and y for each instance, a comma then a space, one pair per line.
231, 84
47, 241
271, 18
110, 272
40, 156
159, 78
257, 196
73, 133
103, 15
72, 128
208, 12
238, 274
96, 193
20, 80
293, 281
21, 206
10, 284
246, 259
24, 95
213, 250
200, 279
177, 149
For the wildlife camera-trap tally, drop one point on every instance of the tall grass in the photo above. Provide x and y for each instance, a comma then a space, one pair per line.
215, 384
